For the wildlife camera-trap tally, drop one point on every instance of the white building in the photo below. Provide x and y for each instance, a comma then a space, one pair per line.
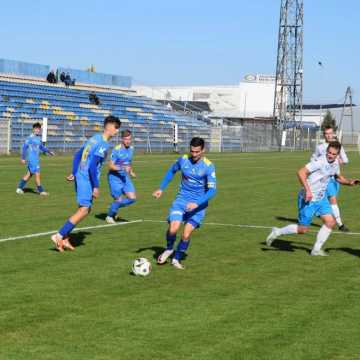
253, 97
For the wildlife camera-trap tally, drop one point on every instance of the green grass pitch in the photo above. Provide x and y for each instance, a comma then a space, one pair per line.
237, 299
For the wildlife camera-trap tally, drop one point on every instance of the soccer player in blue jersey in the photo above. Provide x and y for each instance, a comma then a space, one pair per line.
30, 155
120, 170
198, 186
87, 164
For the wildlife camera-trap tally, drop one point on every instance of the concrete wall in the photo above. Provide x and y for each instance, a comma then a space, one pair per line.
252, 97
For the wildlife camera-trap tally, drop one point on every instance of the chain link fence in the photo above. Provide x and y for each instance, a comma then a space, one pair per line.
67, 136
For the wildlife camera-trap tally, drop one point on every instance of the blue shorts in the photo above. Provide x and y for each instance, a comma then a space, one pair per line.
120, 185
33, 168
307, 210
177, 212
84, 191
332, 188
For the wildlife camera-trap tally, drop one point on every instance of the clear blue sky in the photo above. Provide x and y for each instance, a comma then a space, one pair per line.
185, 42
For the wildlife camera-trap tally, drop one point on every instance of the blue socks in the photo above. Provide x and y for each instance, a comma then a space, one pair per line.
22, 183
113, 209
170, 240
66, 229
181, 248
116, 205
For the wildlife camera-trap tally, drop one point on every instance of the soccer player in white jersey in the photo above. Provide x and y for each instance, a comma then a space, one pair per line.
312, 198
333, 186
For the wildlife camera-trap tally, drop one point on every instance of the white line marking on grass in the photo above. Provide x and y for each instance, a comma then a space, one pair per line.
76, 229
252, 226
158, 222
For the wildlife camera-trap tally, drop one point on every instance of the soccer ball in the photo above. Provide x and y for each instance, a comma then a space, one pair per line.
141, 267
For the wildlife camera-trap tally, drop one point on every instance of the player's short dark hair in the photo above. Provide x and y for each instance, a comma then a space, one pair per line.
37, 125
327, 127
335, 145
125, 133
197, 141
112, 120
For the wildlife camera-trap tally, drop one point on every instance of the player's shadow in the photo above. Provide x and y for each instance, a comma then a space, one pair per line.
354, 252
77, 239
102, 216
157, 250
291, 220
284, 245
30, 191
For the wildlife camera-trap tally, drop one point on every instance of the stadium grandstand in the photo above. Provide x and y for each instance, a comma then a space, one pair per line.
230, 118
26, 97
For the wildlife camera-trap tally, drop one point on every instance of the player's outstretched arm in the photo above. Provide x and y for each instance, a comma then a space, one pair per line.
167, 179
75, 164
344, 181
132, 172
45, 150
157, 193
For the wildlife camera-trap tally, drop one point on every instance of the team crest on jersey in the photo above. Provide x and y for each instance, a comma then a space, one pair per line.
102, 150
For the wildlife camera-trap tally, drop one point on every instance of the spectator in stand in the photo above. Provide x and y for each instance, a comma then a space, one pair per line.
62, 77
93, 98
68, 80
51, 78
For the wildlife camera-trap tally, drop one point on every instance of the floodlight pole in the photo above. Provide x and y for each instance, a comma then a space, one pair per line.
288, 99
347, 110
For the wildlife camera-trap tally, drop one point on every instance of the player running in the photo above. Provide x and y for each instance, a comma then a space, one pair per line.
312, 198
333, 187
120, 170
30, 155
198, 186
86, 172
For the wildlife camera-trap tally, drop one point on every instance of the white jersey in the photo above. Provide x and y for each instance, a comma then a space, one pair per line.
321, 150
320, 173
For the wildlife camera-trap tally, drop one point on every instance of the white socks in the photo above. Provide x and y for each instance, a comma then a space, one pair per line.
290, 229
321, 237
336, 213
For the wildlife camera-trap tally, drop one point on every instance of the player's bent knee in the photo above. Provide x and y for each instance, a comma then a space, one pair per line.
330, 223
302, 229
131, 196
84, 210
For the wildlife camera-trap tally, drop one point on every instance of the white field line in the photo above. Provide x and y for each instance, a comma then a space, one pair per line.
158, 222
76, 229
252, 226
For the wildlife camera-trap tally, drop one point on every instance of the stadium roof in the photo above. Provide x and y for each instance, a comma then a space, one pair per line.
194, 106
323, 106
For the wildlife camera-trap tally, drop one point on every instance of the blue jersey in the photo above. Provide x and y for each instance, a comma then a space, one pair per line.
31, 149
95, 146
122, 158
196, 178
